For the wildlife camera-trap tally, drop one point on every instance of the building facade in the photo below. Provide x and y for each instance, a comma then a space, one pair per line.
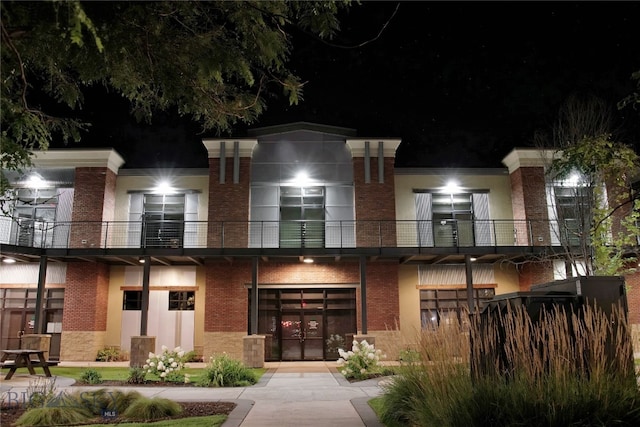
292, 242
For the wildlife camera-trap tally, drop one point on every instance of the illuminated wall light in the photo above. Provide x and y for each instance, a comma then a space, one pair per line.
451, 187
164, 187
8, 260
35, 181
308, 261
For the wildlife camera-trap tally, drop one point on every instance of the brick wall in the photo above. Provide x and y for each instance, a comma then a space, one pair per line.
86, 297
535, 273
375, 202
226, 297
93, 202
228, 202
529, 202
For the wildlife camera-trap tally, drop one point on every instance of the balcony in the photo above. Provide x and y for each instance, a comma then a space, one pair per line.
280, 234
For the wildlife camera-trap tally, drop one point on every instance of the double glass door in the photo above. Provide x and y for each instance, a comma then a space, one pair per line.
302, 335
306, 324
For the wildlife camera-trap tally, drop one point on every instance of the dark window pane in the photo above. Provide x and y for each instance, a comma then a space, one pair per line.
132, 300
182, 300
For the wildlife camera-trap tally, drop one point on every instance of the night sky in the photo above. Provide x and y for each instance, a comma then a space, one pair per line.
461, 83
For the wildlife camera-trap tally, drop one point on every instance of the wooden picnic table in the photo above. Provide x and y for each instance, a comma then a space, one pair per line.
14, 359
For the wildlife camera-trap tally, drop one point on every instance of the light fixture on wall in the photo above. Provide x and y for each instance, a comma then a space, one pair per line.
308, 260
8, 260
141, 260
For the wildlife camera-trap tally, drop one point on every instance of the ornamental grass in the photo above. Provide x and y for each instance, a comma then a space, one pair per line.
508, 368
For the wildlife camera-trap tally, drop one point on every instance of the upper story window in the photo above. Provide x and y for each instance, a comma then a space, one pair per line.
302, 214
163, 220
454, 219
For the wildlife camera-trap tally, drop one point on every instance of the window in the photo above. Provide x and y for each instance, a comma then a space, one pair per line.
440, 306
573, 210
182, 300
163, 220
132, 300
452, 219
35, 213
302, 217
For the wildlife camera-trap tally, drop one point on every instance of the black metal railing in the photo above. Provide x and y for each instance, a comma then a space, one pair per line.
283, 234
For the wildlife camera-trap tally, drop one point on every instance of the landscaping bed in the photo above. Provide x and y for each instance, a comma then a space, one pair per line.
9, 415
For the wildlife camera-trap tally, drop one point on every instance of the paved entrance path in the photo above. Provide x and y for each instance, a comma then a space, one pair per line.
309, 394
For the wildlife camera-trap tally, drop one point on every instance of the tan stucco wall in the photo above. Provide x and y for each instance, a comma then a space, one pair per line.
114, 311
124, 184
506, 276
499, 188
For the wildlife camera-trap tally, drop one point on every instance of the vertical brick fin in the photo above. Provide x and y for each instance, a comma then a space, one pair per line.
86, 297
632, 282
229, 205
529, 202
93, 203
375, 206
535, 273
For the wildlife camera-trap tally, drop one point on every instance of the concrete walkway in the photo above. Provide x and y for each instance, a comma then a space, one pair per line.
310, 394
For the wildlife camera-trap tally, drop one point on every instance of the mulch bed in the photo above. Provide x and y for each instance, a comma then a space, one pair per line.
9, 414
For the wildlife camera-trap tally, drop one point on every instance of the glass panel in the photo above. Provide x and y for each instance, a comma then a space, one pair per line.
182, 300
132, 300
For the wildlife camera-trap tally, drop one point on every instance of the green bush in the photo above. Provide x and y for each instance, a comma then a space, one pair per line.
96, 401
191, 356
137, 375
109, 354
223, 371
361, 362
147, 409
91, 376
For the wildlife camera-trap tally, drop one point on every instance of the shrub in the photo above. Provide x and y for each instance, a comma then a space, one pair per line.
558, 370
192, 356
109, 354
137, 375
96, 401
91, 376
146, 409
166, 363
223, 371
361, 361
54, 416
41, 391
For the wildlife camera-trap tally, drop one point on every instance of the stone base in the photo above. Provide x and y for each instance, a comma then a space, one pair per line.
253, 351
37, 342
81, 346
217, 343
141, 346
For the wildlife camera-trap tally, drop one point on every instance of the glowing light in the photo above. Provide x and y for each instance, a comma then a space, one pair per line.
8, 260
35, 181
308, 260
452, 187
302, 179
164, 187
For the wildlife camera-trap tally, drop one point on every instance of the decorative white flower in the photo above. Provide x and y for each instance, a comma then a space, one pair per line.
164, 348
162, 375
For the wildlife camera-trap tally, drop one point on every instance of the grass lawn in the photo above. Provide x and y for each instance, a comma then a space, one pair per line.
117, 373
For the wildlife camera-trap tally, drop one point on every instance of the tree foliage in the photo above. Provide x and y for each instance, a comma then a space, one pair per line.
606, 208
216, 62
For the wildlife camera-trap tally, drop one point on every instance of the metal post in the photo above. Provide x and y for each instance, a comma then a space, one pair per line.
363, 293
469, 276
254, 296
146, 272
42, 279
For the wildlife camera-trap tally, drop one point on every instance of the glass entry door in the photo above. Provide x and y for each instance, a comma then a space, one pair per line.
302, 335
306, 324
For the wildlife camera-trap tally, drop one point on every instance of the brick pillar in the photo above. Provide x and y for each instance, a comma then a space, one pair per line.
529, 202
228, 205
93, 203
535, 273
84, 320
375, 204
